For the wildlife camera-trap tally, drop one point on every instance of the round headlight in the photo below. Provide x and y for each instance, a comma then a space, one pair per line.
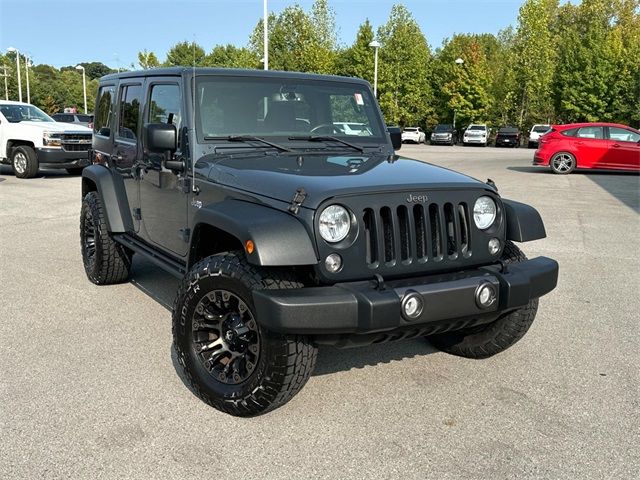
334, 223
484, 212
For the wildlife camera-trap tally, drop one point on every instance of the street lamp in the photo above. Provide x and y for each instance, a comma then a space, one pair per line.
27, 64
375, 45
265, 23
459, 62
12, 50
84, 86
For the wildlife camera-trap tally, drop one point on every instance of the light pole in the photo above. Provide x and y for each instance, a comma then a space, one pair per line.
84, 86
27, 64
265, 23
6, 88
375, 45
459, 62
12, 50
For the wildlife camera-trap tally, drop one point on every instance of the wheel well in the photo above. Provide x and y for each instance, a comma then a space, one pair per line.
209, 240
11, 144
88, 185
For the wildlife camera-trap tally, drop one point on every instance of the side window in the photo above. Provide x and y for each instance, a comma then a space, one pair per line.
591, 132
623, 135
165, 106
569, 133
129, 120
104, 111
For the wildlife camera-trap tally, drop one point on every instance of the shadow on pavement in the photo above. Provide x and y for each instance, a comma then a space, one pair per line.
622, 185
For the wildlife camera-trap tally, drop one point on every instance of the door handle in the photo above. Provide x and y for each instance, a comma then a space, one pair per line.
116, 157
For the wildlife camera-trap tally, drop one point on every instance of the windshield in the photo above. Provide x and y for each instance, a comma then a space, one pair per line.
19, 113
443, 128
541, 128
477, 127
245, 106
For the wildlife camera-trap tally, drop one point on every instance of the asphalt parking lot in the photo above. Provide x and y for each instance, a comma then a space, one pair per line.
89, 386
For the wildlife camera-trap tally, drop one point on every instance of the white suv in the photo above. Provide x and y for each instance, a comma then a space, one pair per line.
536, 132
477, 134
414, 134
30, 138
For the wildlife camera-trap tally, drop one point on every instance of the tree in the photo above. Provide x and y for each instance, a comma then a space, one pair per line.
404, 90
185, 54
357, 60
230, 56
49, 105
148, 60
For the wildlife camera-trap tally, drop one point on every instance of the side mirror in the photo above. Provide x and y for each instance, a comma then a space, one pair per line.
396, 137
161, 137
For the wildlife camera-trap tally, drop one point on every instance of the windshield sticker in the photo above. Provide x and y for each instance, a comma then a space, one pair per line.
359, 99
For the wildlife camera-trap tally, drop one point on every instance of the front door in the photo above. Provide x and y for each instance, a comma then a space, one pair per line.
163, 197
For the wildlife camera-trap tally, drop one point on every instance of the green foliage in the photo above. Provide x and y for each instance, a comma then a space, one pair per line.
148, 60
358, 60
185, 54
230, 56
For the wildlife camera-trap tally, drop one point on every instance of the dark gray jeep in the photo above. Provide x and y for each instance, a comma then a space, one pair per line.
289, 231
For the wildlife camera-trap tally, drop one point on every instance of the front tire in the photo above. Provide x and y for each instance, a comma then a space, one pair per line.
231, 361
487, 340
105, 261
24, 162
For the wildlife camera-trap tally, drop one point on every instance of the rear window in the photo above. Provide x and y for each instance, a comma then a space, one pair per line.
85, 118
508, 130
541, 128
477, 127
61, 117
410, 129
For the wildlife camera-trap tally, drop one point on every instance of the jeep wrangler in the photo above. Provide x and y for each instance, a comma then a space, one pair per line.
289, 231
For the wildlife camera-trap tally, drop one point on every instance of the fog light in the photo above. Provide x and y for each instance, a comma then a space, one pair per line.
333, 263
494, 246
412, 305
485, 295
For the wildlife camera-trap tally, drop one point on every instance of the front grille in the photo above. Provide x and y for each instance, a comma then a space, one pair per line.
76, 142
404, 234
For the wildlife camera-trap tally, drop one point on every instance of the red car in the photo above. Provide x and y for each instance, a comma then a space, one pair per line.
589, 145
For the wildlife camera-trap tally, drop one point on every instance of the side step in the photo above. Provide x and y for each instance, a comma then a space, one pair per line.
173, 266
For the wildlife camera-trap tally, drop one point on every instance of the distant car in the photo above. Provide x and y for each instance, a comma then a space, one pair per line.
508, 137
353, 128
414, 135
589, 145
444, 134
536, 132
476, 134
85, 120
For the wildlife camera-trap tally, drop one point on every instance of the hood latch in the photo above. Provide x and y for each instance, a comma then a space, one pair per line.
298, 198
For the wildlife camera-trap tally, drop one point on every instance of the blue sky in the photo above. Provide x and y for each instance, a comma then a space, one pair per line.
65, 32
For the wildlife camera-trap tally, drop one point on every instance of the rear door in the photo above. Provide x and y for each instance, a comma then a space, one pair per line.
625, 149
592, 147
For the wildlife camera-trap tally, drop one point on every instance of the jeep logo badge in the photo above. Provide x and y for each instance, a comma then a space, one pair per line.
417, 198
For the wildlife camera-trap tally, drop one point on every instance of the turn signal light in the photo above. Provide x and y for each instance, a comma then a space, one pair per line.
249, 246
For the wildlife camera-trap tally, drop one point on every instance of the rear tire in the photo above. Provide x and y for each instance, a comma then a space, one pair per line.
247, 373
105, 261
487, 340
563, 163
24, 162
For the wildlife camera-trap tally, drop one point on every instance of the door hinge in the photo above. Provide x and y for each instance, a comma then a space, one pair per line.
297, 200
185, 233
137, 214
186, 185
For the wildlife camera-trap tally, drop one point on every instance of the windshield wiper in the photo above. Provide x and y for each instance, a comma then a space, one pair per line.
328, 138
250, 138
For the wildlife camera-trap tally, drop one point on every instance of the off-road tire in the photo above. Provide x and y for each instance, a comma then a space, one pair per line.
24, 162
488, 340
74, 171
285, 362
110, 262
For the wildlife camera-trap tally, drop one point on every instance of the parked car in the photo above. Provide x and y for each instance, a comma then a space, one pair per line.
75, 118
29, 138
444, 134
536, 132
476, 134
414, 135
285, 239
508, 137
589, 145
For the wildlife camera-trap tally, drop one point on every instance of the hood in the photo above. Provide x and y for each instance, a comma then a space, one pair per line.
55, 126
326, 176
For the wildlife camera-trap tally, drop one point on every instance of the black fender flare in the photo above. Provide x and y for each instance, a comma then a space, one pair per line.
280, 239
112, 195
524, 223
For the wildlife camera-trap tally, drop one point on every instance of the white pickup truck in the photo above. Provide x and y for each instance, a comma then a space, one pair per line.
29, 138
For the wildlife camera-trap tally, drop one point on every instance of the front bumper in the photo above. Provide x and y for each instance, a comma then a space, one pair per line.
368, 307
59, 158
474, 140
441, 140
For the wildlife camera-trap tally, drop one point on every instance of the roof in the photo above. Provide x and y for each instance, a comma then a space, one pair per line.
13, 102
188, 72
590, 124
